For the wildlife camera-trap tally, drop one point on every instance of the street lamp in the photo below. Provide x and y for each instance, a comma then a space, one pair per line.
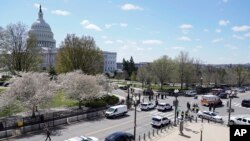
176, 91
135, 105
230, 105
201, 80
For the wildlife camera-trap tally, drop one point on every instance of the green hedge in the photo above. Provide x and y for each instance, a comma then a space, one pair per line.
102, 102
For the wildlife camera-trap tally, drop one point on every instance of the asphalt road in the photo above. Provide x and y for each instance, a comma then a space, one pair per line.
103, 127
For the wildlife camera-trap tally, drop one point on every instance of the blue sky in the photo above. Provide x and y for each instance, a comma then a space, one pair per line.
214, 31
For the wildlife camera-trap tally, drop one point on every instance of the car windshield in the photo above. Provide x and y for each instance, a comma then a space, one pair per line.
161, 104
87, 139
111, 110
213, 114
156, 119
144, 104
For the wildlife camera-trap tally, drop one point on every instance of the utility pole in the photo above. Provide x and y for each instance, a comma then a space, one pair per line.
135, 104
230, 105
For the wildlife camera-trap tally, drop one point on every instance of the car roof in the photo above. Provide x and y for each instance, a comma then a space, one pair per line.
74, 139
163, 103
117, 134
118, 106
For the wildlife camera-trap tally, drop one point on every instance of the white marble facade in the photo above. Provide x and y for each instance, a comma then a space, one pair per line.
45, 40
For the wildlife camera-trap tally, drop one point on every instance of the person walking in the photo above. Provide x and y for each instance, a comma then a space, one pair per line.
182, 115
210, 107
47, 134
186, 114
177, 113
214, 107
188, 105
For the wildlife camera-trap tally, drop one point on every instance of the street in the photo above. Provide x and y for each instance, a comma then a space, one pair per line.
103, 127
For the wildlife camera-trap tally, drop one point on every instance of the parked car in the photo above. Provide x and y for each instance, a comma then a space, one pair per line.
210, 116
241, 90
164, 107
123, 87
83, 138
120, 136
160, 121
115, 111
239, 121
222, 95
190, 93
245, 103
147, 106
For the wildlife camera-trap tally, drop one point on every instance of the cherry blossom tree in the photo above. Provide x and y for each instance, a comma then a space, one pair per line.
105, 83
79, 86
32, 90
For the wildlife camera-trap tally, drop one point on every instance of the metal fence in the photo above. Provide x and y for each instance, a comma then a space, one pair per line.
17, 122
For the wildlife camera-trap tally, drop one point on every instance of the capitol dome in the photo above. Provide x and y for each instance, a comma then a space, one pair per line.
42, 32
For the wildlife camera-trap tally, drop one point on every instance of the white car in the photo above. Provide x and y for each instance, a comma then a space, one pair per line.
191, 93
160, 121
210, 116
164, 107
239, 121
116, 111
147, 106
83, 138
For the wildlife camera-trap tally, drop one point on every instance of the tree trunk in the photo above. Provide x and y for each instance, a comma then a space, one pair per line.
80, 104
33, 111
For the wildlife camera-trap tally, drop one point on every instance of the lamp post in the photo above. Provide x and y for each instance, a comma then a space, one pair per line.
230, 105
201, 81
135, 105
176, 91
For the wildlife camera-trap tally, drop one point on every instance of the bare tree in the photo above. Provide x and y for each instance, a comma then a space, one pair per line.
162, 69
241, 74
32, 89
141, 75
79, 86
19, 49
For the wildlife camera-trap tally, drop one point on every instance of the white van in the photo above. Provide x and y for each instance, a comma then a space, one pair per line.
116, 111
206, 100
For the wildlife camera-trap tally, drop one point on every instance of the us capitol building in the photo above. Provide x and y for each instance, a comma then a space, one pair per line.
46, 42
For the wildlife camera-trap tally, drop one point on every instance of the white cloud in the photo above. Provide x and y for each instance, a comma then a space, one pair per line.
61, 12
225, 1
123, 24
177, 48
37, 5
110, 25
205, 30
199, 47
217, 40
247, 35
231, 47
89, 25
119, 41
241, 28
218, 30
238, 37
104, 37
185, 26
108, 42
129, 6
184, 38
152, 42
224, 22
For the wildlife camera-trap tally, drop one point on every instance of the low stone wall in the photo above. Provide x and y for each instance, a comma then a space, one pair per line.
35, 127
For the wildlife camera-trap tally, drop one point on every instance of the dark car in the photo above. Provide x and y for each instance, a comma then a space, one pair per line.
120, 136
222, 95
245, 103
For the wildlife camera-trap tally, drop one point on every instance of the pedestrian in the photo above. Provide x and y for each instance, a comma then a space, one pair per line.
156, 102
188, 105
177, 114
210, 107
186, 114
182, 115
214, 107
48, 134
197, 109
143, 100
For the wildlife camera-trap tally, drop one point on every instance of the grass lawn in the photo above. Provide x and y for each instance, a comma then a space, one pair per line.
2, 89
60, 100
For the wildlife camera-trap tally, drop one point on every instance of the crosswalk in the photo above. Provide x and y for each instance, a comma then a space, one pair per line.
170, 115
235, 104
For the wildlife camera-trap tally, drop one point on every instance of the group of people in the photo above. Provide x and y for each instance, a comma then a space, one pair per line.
212, 105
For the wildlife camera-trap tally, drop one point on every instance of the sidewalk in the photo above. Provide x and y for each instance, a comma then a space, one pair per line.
211, 132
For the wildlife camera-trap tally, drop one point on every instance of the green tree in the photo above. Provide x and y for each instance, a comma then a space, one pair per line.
79, 53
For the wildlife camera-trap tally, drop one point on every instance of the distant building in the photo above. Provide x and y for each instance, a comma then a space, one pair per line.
109, 61
45, 40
